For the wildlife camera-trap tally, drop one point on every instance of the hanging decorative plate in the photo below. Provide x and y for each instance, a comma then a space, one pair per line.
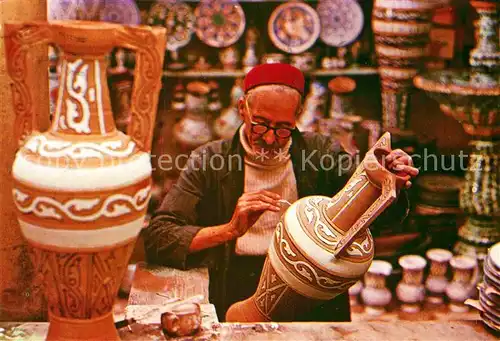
219, 23
294, 27
121, 12
74, 9
177, 17
341, 21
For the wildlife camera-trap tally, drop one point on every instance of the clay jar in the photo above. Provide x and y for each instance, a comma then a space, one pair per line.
437, 281
410, 290
321, 246
375, 294
82, 188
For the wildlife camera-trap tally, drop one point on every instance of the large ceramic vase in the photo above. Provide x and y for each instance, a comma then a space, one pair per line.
472, 97
322, 246
401, 30
82, 188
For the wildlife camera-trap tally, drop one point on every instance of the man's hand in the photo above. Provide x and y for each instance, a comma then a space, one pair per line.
249, 208
399, 161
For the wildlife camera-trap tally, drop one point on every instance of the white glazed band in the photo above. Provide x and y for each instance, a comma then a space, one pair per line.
86, 179
81, 240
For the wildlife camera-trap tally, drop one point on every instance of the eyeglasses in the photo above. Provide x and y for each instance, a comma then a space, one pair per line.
261, 128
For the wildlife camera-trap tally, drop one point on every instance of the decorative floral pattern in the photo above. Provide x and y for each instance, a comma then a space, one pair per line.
294, 27
341, 21
219, 23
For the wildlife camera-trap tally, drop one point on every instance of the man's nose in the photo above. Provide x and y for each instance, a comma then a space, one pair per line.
269, 137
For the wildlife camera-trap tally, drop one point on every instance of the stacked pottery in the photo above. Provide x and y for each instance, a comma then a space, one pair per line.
193, 129
463, 283
321, 246
489, 290
437, 281
375, 294
401, 29
410, 290
82, 188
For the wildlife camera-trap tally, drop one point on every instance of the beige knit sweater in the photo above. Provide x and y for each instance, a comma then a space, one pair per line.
273, 173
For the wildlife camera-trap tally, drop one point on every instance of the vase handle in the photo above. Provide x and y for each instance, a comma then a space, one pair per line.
21, 40
388, 183
149, 44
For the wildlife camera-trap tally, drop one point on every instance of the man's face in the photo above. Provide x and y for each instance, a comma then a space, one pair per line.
269, 107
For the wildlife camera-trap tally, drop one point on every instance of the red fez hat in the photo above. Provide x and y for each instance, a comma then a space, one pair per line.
275, 73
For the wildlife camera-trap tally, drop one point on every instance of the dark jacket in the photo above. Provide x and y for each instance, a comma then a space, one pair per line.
208, 189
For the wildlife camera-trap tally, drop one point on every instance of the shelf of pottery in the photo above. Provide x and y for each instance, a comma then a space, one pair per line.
437, 286
211, 45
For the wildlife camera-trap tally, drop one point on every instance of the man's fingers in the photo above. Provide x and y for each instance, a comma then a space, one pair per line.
253, 197
406, 169
403, 159
253, 206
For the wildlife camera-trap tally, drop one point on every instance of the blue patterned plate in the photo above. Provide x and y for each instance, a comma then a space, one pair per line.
341, 21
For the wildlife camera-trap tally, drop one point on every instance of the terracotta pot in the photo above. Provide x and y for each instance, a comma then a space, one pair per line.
82, 188
321, 246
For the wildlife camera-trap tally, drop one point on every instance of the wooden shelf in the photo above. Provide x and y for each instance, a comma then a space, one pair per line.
219, 73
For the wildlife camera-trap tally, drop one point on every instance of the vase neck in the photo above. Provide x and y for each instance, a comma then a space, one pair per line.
83, 103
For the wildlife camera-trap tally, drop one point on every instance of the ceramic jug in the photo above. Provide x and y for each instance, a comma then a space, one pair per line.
82, 188
322, 246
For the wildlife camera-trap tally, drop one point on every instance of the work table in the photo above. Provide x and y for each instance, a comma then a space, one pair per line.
373, 331
154, 286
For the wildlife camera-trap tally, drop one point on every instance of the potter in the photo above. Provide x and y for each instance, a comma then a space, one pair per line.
231, 220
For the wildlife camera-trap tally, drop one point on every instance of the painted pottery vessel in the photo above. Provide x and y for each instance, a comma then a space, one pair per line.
472, 97
314, 106
376, 296
341, 88
226, 125
437, 281
401, 30
194, 130
82, 188
463, 283
321, 246
410, 290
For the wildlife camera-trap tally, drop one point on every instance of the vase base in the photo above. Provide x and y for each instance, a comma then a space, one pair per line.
374, 310
245, 311
410, 308
435, 300
101, 328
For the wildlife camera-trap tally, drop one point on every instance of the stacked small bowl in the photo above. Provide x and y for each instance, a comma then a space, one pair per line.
489, 290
